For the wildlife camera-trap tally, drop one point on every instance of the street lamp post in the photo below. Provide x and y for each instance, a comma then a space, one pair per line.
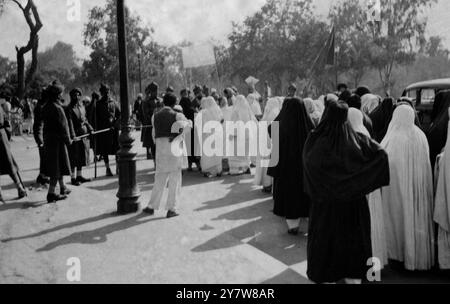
128, 193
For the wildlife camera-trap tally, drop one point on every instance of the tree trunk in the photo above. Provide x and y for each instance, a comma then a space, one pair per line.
20, 74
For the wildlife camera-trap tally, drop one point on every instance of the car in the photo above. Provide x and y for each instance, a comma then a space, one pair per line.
422, 95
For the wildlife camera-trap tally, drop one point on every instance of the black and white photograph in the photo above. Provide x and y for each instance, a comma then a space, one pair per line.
208, 143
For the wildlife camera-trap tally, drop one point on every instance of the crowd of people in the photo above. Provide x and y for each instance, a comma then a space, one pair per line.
360, 170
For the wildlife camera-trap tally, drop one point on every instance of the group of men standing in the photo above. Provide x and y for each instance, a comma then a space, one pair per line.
62, 133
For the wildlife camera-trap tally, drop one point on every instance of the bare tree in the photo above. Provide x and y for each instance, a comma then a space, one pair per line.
33, 20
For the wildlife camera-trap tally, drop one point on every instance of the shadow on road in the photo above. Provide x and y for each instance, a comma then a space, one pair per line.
100, 235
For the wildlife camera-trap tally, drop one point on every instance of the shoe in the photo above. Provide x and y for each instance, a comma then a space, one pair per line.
65, 191
293, 231
252, 166
22, 193
149, 211
83, 180
75, 182
248, 172
171, 214
109, 173
53, 198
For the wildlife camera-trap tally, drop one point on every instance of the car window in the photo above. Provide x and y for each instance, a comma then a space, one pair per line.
412, 94
427, 96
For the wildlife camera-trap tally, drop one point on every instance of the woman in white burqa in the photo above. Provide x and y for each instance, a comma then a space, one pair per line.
211, 122
242, 137
378, 236
442, 205
408, 200
270, 113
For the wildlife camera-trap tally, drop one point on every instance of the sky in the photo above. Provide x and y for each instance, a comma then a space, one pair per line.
173, 21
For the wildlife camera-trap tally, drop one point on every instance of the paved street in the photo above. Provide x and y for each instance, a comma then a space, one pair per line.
226, 234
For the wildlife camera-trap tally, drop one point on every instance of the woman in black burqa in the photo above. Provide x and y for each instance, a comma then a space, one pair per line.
341, 167
381, 118
294, 127
437, 134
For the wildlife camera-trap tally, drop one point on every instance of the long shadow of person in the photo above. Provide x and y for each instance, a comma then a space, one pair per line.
61, 227
100, 235
266, 232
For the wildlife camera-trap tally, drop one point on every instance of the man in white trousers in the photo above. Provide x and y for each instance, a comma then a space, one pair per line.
168, 126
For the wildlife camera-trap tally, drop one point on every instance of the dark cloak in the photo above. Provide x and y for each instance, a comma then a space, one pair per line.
189, 111
8, 165
294, 127
341, 167
381, 118
437, 134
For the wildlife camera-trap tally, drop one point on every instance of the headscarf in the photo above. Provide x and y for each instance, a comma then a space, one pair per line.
369, 102
341, 165
272, 110
210, 110
381, 118
442, 201
242, 111
254, 104
355, 118
354, 101
437, 134
362, 90
312, 111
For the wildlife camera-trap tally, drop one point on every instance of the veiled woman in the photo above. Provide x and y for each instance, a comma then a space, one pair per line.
381, 118
261, 178
437, 134
408, 200
341, 168
442, 205
369, 102
291, 202
241, 139
313, 111
210, 116
378, 235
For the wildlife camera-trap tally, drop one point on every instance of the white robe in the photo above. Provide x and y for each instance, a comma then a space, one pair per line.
241, 113
378, 234
442, 206
408, 200
211, 164
262, 163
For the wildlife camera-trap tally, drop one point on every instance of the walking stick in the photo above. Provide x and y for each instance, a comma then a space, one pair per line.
20, 180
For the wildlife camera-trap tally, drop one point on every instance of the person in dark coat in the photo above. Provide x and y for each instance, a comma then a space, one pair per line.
341, 167
56, 137
107, 116
381, 118
38, 127
291, 202
198, 96
148, 107
437, 134
354, 101
189, 113
8, 165
78, 126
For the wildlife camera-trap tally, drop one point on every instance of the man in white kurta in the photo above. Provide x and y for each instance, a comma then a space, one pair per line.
169, 127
